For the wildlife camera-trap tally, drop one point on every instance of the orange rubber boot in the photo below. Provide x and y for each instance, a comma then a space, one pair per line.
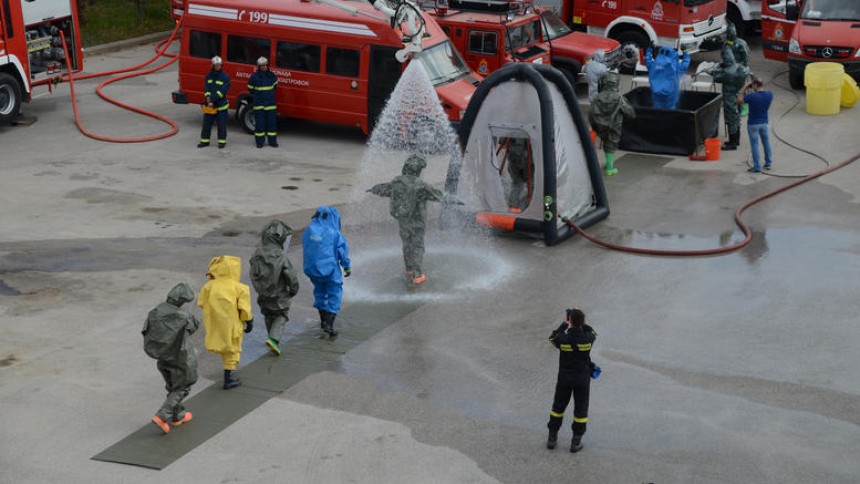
161, 424
186, 418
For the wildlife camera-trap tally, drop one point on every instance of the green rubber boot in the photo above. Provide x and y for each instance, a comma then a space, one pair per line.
610, 159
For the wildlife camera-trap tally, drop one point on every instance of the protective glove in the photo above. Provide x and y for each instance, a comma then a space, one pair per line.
347, 273
249, 325
595, 371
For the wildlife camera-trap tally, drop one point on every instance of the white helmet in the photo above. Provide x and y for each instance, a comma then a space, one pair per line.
216, 60
262, 61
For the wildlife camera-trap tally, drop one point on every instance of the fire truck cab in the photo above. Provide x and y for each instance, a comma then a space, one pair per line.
31, 51
492, 33
800, 32
683, 24
332, 65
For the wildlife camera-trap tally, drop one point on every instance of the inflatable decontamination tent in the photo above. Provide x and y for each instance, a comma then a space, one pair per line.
528, 162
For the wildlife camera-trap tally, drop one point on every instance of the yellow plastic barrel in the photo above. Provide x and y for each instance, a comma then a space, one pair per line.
823, 82
850, 91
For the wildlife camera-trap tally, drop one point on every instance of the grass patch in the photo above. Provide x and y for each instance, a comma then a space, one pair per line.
104, 21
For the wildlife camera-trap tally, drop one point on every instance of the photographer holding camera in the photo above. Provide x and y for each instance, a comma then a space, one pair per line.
575, 370
759, 101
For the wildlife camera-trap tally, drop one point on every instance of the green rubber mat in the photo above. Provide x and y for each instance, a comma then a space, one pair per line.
215, 409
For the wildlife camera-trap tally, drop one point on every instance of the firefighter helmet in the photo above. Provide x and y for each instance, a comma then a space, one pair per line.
216, 60
262, 61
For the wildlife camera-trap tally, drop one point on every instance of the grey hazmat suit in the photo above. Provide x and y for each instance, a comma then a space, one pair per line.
738, 46
166, 337
609, 111
274, 278
594, 70
409, 195
521, 170
732, 76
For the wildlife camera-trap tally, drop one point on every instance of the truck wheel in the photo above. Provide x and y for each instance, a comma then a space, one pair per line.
733, 15
795, 78
635, 38
245, 117
10, 98
570, 71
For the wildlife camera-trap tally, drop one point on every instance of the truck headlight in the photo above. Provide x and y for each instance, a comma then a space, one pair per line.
794, 46
857, 54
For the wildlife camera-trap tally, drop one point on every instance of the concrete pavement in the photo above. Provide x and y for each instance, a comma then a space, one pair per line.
737, 368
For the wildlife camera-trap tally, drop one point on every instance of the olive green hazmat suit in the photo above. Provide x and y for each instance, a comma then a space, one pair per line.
607, 116
521, 170
732, 76
274, 279
166, 337
409, 195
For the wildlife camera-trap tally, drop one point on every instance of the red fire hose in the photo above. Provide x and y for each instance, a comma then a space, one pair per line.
131, 72
738, 221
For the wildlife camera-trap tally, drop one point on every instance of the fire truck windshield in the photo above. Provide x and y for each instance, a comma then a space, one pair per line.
835, 10
442, 63
555, 26
523, 35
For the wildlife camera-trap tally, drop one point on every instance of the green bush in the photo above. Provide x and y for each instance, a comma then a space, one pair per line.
104, 21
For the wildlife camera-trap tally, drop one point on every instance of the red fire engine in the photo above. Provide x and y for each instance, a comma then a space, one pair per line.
826, 31
491, 33
683, 24
31, 52
334, 65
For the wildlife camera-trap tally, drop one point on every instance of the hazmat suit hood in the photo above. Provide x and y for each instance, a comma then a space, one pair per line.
731, 31
225, 267
276, 232
610, 81
414, 165
327, 217
599, 55
180, 294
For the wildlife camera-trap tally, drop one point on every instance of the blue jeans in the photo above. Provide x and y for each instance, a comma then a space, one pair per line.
755, 131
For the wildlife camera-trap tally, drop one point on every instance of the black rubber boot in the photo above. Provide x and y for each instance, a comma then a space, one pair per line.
330, 325
230, 380
732, 143
576, 443
324, 320
552, 441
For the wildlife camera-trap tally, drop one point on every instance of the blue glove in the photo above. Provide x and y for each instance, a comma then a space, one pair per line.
595, 372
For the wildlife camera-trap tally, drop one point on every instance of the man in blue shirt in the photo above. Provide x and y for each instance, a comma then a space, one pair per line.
759, 101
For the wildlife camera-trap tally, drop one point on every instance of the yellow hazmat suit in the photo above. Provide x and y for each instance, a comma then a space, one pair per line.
226, 304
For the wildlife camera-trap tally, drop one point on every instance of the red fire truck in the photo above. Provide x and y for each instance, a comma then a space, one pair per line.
491, 33
31, 51
334, 65
800, 32
683, 24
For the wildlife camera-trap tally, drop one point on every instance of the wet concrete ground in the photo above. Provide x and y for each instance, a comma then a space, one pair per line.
738, 368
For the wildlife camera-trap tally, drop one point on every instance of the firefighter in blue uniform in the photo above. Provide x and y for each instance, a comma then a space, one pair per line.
573, 339
262, 86
215, 89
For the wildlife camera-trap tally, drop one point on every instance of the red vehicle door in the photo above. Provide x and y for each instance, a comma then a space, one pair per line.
776, 27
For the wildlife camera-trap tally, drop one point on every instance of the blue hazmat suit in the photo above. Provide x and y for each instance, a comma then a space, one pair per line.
325, 253
664, 74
